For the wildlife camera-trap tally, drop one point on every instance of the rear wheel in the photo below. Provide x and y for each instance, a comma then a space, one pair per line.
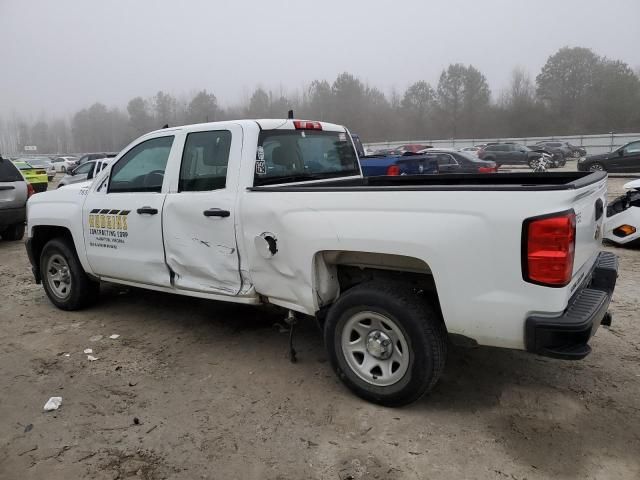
575, 154
14, 232
385, 343
63, 278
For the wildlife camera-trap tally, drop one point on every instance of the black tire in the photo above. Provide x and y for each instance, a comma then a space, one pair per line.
533, 163
82, 290
14, 232
597, 167
575, 154
421, 326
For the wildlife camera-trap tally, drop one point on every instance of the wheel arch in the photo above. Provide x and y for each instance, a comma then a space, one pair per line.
39, 236
336, 271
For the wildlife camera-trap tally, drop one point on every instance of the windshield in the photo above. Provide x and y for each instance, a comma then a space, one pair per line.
286, 156
34, 162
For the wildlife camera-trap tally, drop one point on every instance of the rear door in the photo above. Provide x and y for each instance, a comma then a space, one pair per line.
199, 214
447, 164
122, 216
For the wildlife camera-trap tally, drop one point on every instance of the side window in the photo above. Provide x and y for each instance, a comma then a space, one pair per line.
84, 168
141, 169
444, 159
632, 148
204, 161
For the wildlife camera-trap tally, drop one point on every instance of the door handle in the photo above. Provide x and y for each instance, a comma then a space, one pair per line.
216, 212
147, 210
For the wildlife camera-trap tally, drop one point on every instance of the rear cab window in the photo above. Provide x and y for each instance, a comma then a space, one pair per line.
287, 156
8, 172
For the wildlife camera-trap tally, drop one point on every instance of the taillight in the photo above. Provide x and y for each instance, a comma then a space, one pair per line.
548, 249
624, 230
393, 170
307, 125
30, 190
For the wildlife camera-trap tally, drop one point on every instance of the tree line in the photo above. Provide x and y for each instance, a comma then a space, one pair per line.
576, 92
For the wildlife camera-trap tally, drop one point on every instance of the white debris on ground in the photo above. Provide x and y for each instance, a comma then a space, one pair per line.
53, 404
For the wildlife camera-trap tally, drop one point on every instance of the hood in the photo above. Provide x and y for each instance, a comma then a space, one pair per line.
600, 156
69, 193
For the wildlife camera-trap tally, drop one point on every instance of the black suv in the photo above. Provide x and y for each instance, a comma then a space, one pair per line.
509, 154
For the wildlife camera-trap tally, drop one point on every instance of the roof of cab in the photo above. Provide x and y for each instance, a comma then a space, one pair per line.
287, 124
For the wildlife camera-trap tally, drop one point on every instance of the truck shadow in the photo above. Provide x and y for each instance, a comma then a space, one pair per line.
547, 415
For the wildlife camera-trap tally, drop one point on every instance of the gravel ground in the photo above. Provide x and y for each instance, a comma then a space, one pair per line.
197, 389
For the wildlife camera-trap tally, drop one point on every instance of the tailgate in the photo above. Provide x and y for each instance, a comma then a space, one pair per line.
13, 194
590, 205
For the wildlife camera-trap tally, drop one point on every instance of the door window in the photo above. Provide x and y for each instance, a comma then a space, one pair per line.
142, 168
85, 168
632, 148
444, 159
204, 161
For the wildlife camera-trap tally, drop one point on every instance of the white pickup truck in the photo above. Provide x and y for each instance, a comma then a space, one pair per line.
277, 212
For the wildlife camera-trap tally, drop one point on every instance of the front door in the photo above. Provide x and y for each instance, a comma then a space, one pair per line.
123, 216
199, 213
630, 161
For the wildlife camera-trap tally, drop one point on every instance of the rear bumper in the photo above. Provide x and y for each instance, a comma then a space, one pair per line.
567, 335
11, 216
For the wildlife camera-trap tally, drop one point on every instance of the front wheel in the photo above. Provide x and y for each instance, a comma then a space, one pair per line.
385, 343
63, 278
596, 167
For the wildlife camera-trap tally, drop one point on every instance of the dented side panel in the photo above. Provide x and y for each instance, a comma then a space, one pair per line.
201, 250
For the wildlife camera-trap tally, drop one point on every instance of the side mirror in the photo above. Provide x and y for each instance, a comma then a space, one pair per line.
621, 152
90, 174
72, 172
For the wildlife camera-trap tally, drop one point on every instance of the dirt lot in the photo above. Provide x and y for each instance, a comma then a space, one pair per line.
194, 389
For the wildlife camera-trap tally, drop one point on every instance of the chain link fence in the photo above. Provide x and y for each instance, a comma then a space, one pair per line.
594, 144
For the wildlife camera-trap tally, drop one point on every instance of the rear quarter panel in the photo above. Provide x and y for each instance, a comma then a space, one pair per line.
470, 240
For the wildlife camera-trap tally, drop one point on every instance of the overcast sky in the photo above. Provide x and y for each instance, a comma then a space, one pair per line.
61, 55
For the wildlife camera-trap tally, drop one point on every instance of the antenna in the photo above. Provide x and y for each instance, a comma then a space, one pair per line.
290, 114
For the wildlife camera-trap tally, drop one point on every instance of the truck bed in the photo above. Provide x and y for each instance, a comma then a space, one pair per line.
466, 182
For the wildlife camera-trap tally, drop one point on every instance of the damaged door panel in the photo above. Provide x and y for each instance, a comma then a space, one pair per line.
199, 219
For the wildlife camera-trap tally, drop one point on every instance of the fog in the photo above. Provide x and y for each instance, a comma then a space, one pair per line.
59, 56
